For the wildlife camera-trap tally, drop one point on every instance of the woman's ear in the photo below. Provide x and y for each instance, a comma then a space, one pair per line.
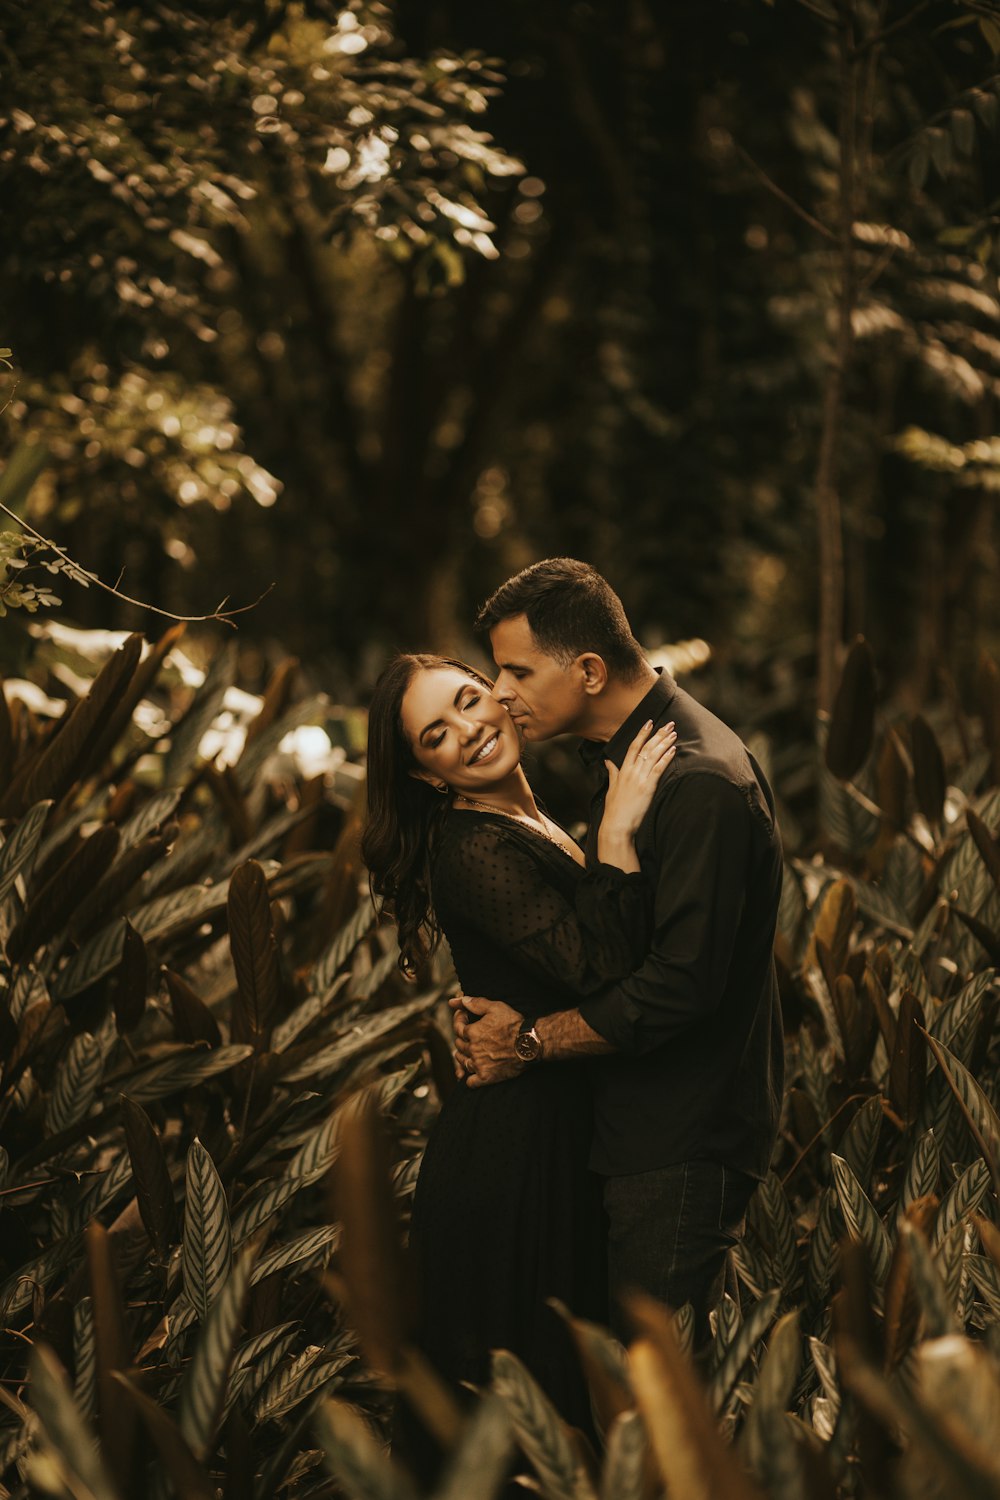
434, 782
593, 672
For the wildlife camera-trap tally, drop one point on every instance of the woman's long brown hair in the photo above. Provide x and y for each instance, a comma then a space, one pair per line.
404, 814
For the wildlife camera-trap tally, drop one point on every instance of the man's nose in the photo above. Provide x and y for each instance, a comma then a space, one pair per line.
503, 692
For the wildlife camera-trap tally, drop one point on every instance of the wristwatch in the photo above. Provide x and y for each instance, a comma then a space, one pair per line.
527, 1043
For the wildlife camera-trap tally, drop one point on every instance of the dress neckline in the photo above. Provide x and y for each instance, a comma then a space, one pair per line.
476, 812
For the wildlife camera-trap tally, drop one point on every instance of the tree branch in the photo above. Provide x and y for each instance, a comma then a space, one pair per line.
784, 197
224, 616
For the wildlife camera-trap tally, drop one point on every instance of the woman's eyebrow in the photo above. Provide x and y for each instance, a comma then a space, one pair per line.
466, 686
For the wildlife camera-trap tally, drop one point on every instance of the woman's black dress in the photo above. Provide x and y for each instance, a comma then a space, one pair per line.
506, 1213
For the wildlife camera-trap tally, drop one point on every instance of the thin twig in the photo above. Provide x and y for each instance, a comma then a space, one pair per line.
223, 618
780, 193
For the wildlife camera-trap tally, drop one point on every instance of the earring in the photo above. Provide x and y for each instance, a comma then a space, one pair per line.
440, 786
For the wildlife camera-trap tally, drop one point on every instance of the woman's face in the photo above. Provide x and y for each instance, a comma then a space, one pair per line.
458, 733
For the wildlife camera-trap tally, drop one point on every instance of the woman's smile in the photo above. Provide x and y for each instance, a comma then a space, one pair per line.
486, 751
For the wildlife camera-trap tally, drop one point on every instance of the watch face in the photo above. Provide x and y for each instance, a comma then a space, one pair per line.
527, 1046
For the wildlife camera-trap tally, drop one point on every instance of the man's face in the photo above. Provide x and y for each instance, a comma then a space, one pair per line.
543, 697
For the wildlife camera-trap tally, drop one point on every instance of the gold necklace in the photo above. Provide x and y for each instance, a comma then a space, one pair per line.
518, 818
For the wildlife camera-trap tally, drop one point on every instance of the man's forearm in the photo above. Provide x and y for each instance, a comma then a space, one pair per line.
566, 1034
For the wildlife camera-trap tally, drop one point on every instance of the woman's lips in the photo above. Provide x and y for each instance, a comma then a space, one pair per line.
487, 750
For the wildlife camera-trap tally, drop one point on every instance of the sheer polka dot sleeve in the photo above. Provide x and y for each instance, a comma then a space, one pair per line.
499, 880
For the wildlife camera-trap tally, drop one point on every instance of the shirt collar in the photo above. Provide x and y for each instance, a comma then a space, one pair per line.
652, 706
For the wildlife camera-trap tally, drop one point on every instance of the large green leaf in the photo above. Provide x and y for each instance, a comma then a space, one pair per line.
208, 1242
204, 1388
749, 1334
539, 1430
372, 1029
65, 1428
255, 957
75, 1085
962, 1199
154, 1189
20, 846
863, 1223
626, 1458
355, 1459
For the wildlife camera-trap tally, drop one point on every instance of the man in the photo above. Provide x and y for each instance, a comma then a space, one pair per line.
688, 1095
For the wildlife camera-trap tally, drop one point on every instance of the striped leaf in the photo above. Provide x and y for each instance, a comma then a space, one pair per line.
860, 1142
627, 1453
881, 906
987, 1280
17, 1291
952, 1017
252, 1349
725, 1319
84, 1358
683, 1324
949, 1256
922, 1172
932, 1293
773, 1389
825, 1364
204, 1387
265, 1206
261, 1368
313, 1370
75, 1084
355, 1459
863, 1223
21, 845
753, 1328
153, 1187
823, 1247
304, 1247
262, 745
304, 1015
151, 816
904, 877
208, 1242
104, 1191
187, 735
170, 914
975, 1106
336, 954
359, 1038
364, 986
792, 908
64, 1425
182, 1072
479, 1464
773, 1223
255, 957
753, 1268
538, 1429
95, 959
962, 1199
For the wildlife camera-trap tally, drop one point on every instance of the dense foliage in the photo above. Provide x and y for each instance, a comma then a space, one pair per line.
202, 1023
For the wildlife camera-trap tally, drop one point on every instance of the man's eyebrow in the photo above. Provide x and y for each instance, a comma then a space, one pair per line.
454, 702
512, 666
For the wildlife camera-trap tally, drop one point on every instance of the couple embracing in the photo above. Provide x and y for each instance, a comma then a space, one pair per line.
618, 1037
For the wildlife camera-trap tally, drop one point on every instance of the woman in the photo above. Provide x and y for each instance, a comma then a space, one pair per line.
505, 1214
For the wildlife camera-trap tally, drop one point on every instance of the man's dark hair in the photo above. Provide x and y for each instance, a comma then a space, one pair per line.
570, 609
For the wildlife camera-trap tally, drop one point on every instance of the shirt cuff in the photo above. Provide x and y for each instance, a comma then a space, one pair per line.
614, 1017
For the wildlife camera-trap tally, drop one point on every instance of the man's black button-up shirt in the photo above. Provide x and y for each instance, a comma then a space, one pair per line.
697, 1029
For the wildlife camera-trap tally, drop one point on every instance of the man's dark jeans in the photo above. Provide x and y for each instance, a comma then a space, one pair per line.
668, 1235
